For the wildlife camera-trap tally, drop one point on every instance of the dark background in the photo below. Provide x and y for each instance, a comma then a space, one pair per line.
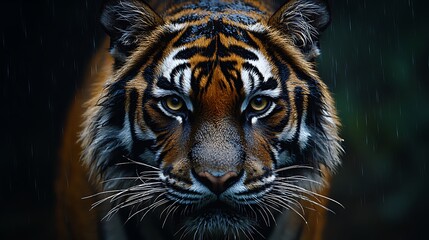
375, 58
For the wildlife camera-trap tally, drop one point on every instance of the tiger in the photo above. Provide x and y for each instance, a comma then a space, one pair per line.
207, 121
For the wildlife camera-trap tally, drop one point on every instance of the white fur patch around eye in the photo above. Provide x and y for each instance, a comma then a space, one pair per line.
268, 112
247, 82
304, 133
253, 78
251, 81
178, 118
262, 64
181, 79
168, 65
187, 75
250, 78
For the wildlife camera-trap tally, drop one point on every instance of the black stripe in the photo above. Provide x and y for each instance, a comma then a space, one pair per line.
279, 127
164, 83
210, 30
188, 53
253, 71
132, 98
270, 84
182, 190
299, 104
242, 52
154, 123
234, 82
210, 50
178, 70
252, 82
292, 146
273, 50
139, 146
204, 68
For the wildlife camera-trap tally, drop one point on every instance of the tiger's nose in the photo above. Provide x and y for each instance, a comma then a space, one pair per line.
218, 184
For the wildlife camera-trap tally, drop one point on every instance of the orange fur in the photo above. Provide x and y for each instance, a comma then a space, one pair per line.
74, 218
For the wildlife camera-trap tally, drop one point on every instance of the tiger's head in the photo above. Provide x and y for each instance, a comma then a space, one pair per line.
214, 115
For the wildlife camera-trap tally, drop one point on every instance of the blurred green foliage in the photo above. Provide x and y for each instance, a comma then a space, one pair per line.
375, 58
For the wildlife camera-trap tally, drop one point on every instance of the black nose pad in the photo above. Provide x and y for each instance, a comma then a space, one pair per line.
217, 184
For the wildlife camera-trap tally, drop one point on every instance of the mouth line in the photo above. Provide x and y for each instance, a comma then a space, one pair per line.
216, 207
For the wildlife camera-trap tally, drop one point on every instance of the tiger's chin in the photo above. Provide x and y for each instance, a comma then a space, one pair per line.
219, 220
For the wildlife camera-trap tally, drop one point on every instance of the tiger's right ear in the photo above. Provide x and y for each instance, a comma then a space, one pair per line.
127, 22
303, 21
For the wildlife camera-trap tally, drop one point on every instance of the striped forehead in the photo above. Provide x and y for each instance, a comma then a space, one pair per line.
254, 70
255, 73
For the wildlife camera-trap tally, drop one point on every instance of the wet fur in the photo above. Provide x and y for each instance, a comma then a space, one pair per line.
131, 166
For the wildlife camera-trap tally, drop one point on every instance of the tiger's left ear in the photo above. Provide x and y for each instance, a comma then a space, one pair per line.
127, 22
303, 21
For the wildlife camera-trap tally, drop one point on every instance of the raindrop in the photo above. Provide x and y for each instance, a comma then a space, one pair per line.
397, 131
350, 24
53, 9
410, 3
24, 28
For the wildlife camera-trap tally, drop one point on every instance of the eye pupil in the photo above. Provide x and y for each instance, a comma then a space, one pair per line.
258, 101
174, 103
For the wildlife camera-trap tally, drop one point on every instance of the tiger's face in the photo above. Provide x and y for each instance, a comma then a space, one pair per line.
214, 115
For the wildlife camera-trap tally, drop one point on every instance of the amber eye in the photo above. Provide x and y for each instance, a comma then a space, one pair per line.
259, 104
173, 103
